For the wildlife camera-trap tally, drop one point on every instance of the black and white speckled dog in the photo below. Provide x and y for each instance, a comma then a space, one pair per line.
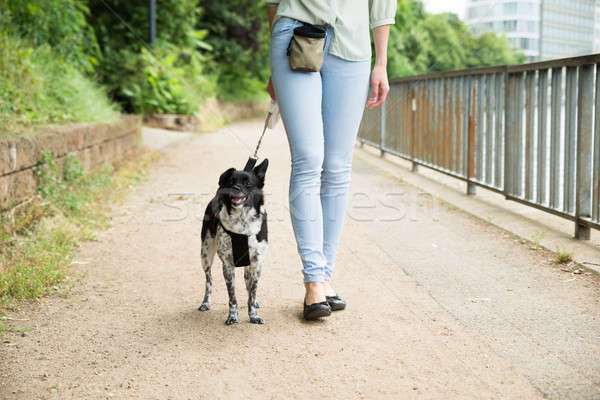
235, 227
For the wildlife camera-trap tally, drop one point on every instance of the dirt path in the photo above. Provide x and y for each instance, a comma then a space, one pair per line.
131, 330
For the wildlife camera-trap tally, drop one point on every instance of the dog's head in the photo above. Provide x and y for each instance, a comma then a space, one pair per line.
238, 189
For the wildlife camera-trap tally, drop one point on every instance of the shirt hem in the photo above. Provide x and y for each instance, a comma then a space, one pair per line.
386, 21
344, 57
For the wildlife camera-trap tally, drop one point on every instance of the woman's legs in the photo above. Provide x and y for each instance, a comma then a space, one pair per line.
299, 97
345, 89
321, 113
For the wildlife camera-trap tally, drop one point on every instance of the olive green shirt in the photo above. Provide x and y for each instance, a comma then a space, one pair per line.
350, 20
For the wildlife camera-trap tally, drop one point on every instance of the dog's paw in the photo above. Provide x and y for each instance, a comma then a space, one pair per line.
257, 320
231, 320
204, 307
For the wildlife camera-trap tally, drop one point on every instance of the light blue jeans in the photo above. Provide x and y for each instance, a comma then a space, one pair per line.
321, 112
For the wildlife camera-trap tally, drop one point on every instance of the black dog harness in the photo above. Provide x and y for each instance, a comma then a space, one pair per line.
239, 245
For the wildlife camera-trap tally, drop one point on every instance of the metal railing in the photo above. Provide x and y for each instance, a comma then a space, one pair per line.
530, 132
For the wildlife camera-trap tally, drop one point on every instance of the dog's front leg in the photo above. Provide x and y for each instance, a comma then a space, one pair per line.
251, 276
229, 275
207, 254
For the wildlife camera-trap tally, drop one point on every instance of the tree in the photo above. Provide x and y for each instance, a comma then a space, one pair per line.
168, 77
422, 42
238, 31
488, 49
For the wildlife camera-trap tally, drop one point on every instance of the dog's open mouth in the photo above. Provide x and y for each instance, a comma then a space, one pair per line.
237, 200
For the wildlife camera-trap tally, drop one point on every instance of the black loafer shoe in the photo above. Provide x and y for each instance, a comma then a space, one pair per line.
336, 303
316, 311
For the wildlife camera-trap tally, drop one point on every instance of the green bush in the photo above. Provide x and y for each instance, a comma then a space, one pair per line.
60, 24
37, 86
166, 81
239, 34
168, 77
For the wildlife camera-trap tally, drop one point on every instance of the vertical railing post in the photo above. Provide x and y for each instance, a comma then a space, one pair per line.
542, 133
557, 115
413, 111
596, 168
583, 195
499, 130
383, 132
471, 140
464, 135
508, 128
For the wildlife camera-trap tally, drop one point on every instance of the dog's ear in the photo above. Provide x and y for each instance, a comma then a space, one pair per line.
260, 171
225, 176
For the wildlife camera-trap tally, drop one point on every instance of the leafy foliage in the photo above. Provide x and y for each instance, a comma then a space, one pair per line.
166, 81
239, 35
422, 42
166, 78
61, 24
488, 49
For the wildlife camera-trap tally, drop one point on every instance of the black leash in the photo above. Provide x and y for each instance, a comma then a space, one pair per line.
254, 158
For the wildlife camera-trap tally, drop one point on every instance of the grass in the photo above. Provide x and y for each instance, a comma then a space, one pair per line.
38, 239
19, 330
537, 237
37, 87
563, 256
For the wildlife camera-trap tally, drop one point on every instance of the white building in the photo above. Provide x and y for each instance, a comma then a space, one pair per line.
597, 31
541, 29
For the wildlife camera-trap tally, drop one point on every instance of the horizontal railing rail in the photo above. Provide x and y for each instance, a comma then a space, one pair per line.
528, 131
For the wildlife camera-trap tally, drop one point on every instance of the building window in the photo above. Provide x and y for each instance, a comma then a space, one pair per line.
510, 8
510, 26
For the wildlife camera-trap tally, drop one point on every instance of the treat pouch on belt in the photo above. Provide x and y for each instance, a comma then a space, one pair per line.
306, 48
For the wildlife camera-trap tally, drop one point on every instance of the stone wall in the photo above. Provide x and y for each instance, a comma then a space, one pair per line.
213, 115
91, 144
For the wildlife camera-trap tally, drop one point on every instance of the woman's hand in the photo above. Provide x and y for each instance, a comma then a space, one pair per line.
379, 85
271, 90
379, 78
272, 12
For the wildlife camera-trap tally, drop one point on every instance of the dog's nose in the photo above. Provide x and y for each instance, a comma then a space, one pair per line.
237, 189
